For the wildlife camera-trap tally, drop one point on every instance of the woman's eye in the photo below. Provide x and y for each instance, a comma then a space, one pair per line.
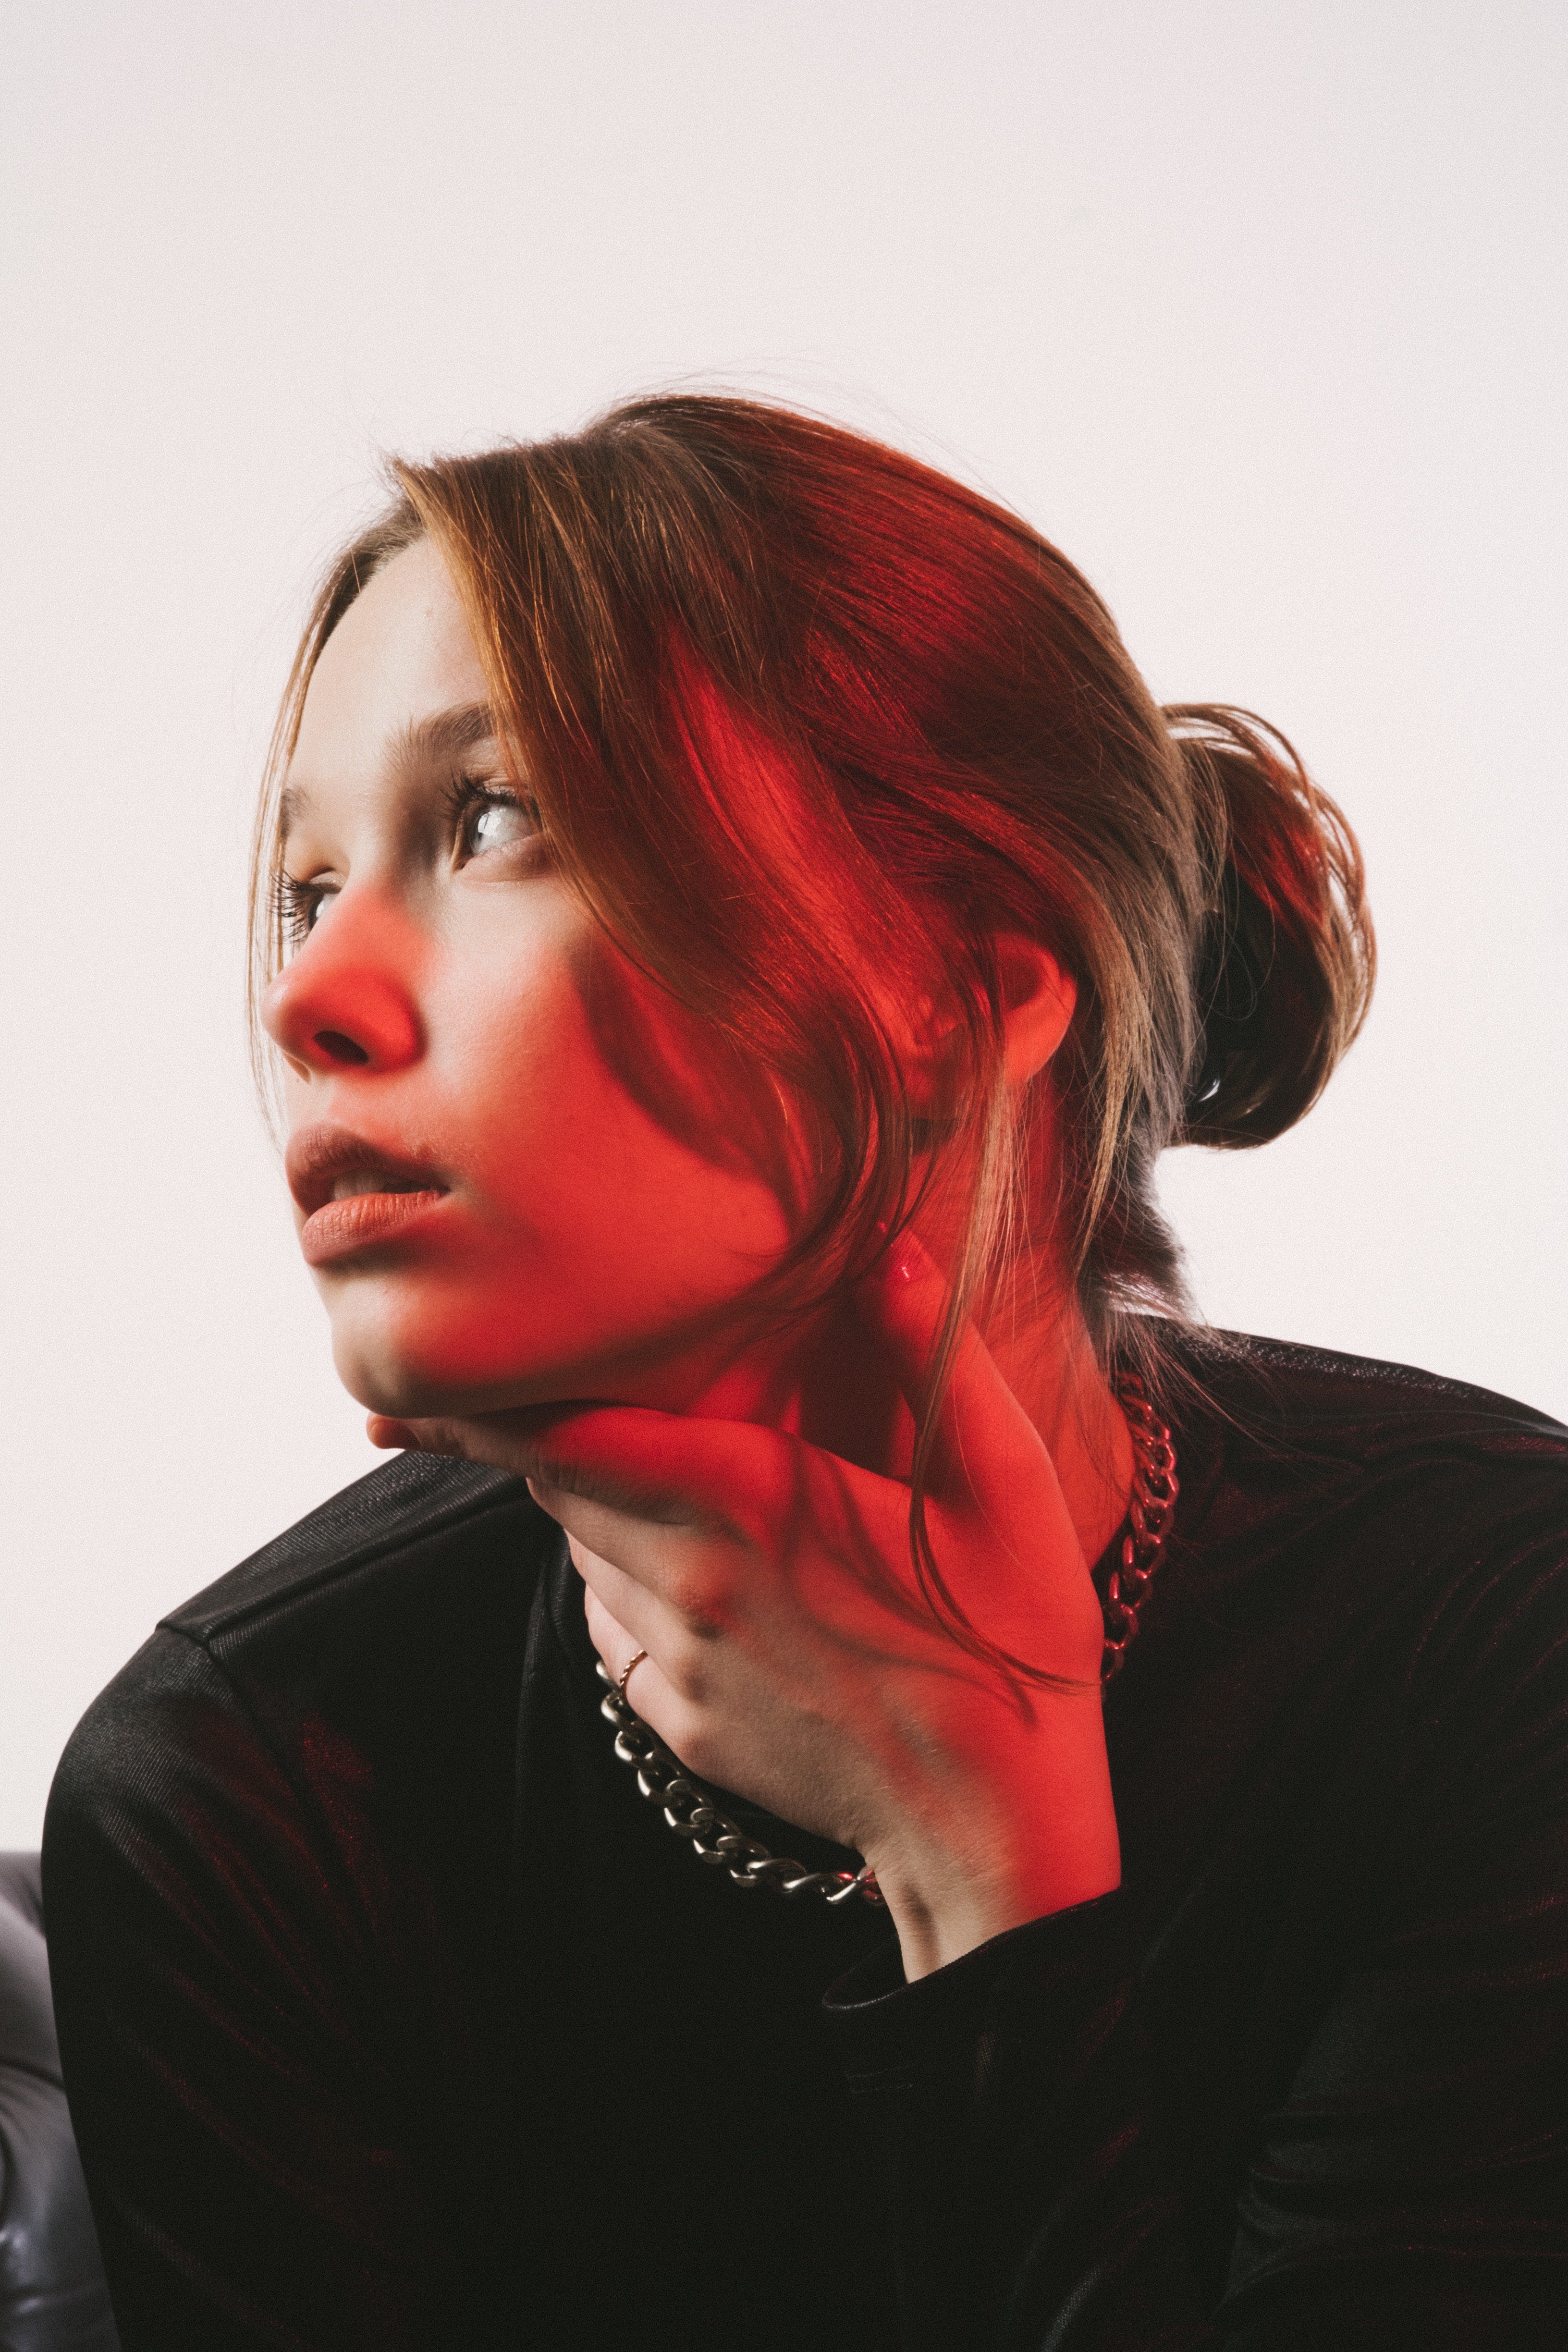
495, 822
301, 905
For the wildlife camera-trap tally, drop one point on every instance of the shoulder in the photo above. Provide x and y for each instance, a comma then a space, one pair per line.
1359, 1407
1343, 1489
416, 1520
379, 1639
1315, 1433
1289, 1418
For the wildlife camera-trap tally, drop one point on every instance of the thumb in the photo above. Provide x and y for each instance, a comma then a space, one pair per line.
901, 1301
626, 1459
984, 1438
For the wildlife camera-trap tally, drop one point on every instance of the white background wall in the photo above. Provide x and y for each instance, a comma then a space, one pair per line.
1255, 305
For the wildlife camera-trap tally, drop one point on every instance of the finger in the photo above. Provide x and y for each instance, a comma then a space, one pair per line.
657, 1579
468, 1437
603, 1500
619, 1648
657, 1468
984, 1440
618, 1639
615, 1643
679, 1506
718, 1478
524, 1442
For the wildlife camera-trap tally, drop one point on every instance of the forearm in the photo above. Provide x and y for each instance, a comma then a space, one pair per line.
1007, 2101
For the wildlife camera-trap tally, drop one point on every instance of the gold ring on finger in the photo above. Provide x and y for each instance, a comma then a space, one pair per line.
625, 1673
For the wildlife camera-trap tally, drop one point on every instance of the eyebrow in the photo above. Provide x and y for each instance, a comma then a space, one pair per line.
423, 743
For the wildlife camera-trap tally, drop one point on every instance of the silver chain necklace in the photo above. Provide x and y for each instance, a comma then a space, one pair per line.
690, 1810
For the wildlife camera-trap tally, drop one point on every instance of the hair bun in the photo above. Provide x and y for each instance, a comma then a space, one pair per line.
1231, 980
1283, 970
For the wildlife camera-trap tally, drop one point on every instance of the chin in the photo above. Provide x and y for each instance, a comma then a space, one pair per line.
409, 1375
447, 1353
396, 1390
400, 1383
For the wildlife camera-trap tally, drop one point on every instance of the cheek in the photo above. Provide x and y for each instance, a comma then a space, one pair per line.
694, 1087
508, 1054
592, 1100
607, 1154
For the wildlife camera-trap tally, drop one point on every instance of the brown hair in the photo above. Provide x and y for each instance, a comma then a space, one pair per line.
807, 721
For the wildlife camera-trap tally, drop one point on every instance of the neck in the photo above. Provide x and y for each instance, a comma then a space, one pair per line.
826, 1380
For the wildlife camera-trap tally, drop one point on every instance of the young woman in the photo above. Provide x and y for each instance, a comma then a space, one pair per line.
743, 935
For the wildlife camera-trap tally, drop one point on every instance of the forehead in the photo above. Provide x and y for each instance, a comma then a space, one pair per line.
402, 654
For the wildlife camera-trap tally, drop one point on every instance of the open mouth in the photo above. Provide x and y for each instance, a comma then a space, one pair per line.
357, 1182
353, 1192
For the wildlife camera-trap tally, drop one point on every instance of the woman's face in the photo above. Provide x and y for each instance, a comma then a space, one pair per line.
516, 1165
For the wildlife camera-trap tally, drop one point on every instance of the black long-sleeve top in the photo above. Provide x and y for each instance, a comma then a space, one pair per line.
392, 2017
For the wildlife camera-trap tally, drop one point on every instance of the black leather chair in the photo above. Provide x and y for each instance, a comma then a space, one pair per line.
52, 2296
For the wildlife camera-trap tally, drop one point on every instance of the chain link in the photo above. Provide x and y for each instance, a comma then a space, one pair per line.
692, 1813
715, 1839
1151, 1509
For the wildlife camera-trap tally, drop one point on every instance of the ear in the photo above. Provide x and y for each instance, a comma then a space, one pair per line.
1038, 999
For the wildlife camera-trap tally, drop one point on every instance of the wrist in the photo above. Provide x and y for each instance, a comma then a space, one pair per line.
1029, 1844
941, 1915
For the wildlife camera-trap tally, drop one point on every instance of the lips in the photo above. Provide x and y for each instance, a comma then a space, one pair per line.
324, 1162
354, 1190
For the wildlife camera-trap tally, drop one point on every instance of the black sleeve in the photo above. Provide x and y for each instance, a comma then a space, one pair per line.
1411, 2185
216, 2004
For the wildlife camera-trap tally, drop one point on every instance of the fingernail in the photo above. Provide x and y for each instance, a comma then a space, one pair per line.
908, 1259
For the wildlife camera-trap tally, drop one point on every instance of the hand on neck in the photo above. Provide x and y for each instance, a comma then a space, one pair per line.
824, 1378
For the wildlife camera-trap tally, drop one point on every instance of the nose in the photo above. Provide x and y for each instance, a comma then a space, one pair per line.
347, 1001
